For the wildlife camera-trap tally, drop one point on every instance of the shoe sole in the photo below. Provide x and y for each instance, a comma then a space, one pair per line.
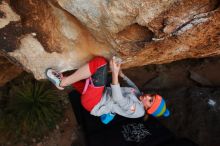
50, 79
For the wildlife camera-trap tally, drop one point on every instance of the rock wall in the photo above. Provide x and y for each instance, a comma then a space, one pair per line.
64, 34
9, 70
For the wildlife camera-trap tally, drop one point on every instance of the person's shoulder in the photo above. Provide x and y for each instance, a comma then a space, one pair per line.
128, 89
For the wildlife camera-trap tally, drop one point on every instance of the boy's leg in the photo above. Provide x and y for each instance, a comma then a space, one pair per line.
84, 72
99, 78
79, 86
93, 92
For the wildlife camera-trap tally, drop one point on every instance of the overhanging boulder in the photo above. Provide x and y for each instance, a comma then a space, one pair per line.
64, 34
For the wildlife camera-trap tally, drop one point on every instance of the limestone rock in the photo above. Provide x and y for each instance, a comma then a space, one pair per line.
50, 37
64, 34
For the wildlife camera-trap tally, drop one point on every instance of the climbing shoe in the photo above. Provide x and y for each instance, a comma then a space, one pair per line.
55, 77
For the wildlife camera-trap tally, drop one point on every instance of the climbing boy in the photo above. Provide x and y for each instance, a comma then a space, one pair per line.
99, 100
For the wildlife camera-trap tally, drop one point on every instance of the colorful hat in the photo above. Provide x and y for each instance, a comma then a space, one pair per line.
159, 107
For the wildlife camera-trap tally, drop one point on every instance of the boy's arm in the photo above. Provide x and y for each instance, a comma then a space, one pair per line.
128, 107
114, 79
129, 82
115, 68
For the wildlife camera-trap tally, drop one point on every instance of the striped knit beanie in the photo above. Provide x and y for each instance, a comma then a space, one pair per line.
158, 108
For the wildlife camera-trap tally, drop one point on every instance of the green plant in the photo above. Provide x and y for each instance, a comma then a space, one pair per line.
32, 110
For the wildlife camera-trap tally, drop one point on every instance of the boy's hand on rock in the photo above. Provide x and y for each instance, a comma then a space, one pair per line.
114, 66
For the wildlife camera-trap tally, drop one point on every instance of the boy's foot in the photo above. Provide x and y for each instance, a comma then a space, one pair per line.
55, 77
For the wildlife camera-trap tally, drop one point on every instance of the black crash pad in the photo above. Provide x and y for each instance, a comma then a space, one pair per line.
123, 131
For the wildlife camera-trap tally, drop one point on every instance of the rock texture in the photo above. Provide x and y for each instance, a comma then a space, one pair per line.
8, 70
64, 34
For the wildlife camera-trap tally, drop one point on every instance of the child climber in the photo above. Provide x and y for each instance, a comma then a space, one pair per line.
90, 81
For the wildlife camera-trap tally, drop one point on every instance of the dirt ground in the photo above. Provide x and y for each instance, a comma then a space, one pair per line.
65, 132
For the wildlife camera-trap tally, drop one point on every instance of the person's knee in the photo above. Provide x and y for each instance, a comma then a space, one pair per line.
96, 63
100, 60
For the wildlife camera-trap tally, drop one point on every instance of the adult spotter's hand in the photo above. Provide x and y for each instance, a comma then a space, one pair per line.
114, 66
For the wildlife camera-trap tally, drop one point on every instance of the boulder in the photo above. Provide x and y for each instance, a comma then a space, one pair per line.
64, 34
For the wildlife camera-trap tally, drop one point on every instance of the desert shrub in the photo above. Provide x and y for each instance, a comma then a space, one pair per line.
33, 109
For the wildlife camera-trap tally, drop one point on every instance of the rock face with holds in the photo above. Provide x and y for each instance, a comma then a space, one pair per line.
64, 34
